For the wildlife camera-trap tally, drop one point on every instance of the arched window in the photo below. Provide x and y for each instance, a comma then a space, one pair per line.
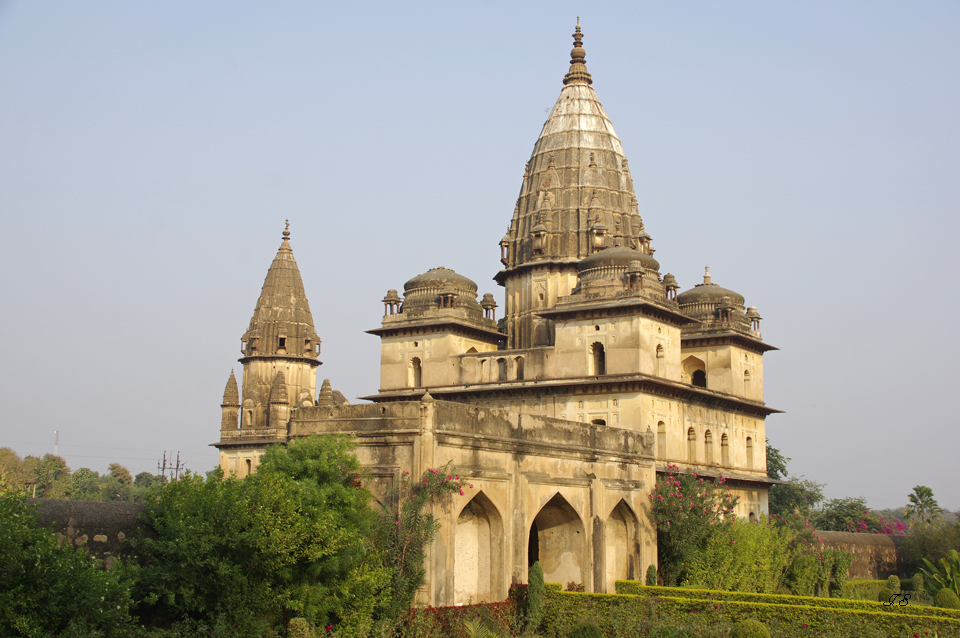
518, 366
661, 440
692, 445
753, 517
725, 450
501, 370
749, 452
708, 447
482, 377
659, 359
416, 373
699, 378
598, 360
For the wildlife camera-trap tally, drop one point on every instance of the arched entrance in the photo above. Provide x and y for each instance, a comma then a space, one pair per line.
478, 561
557, 540
621, 546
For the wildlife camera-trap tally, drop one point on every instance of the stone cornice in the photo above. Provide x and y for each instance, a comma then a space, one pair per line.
747, 342
432, 325
616, 308
607, 384
280, 357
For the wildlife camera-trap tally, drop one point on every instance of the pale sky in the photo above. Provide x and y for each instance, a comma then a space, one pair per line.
809, 153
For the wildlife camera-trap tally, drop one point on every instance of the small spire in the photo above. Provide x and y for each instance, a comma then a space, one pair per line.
706, 275
578, 68
285, 244
231, 393
326, 394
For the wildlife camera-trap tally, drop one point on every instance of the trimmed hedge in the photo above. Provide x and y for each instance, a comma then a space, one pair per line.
617, 614
866, 589
634, 587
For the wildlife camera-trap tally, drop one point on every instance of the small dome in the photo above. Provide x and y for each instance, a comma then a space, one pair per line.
437, 277
617, 257
709, 293
669, 281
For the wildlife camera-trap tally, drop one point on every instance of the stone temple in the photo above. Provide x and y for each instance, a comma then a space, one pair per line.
561, 413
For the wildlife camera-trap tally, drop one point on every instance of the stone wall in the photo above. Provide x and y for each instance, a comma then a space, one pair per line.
104, 529
874, 555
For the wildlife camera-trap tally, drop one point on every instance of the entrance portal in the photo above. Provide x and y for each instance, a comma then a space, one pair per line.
557, 540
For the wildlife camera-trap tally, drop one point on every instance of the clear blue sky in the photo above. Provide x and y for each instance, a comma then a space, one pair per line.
809, 153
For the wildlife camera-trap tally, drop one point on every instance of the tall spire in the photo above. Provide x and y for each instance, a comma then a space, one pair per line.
282, 323
578, 73
576, 183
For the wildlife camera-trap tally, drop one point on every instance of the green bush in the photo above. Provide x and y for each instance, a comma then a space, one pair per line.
289, 541
620, 615
536, 593
947, 599
743, 556
944, 576
750, 628
630, 587
300, 628
862, 589
49, 587
893, 583
885, 595
652, 575
585, 629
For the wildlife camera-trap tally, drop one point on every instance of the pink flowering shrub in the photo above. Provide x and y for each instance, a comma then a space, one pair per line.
685, 506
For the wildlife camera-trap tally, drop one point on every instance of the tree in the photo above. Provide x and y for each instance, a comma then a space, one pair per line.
51, 474
120, 473
795, 496
685, 508
923, 508
776, 462
289, 541
840, 514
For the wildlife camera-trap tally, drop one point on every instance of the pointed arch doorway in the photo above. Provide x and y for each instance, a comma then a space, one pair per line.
557, 539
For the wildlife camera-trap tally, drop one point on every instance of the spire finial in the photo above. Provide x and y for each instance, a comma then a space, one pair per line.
578, 69
706, 275
286, 230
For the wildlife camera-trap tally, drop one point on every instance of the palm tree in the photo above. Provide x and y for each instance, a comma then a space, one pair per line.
923, 508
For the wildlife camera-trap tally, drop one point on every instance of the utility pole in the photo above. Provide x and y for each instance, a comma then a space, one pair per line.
163, 469
179, 465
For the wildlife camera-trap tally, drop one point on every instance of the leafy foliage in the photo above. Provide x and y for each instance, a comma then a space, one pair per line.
405, 526
651, 579
945, 575
585, 629
931, 542
776, 462
742, 556
923, 508
750, 628
685, 506
796, 496
947, 599
536, 595
48, 587
287, 541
